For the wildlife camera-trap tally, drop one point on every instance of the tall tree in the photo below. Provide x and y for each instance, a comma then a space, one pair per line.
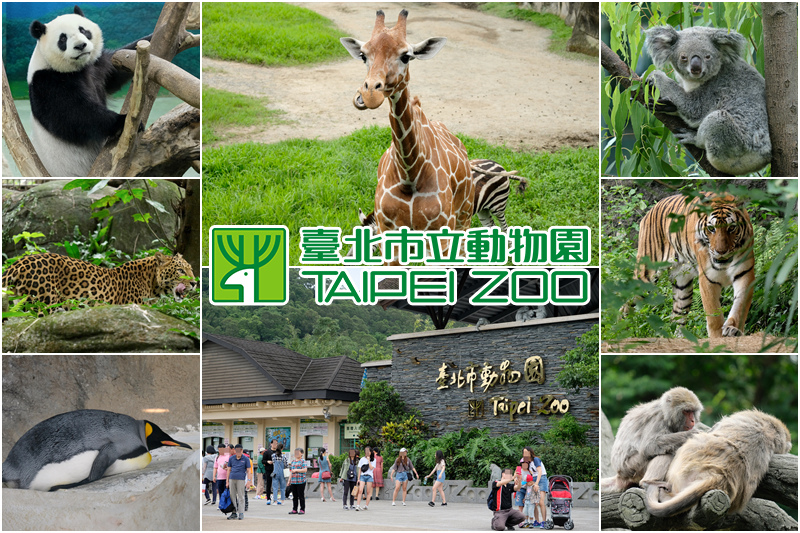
780, 72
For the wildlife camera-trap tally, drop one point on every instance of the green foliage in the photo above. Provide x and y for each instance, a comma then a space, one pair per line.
336, 464
377, 405
633, 142
323, 183
269, 34
30, 246
223, 108
469, 455
101, 208
582, 364
774, 308
567, 430
121, 22
403, 433
724, 384
341, 328
94, 248
560, 31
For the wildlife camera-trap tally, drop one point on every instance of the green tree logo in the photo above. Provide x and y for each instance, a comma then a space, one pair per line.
249, 265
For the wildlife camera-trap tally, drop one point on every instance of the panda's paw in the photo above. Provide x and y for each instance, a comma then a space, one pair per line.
120, 125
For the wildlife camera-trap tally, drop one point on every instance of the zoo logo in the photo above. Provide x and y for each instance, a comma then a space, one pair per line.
249, 265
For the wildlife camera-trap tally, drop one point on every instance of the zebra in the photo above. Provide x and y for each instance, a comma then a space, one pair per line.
492, 186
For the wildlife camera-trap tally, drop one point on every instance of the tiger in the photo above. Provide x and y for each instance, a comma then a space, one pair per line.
715, 244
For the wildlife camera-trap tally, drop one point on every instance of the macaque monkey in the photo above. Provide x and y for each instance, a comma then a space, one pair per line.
732, 457
648, 436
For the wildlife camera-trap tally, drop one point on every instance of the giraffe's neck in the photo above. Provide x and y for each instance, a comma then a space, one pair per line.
409, 146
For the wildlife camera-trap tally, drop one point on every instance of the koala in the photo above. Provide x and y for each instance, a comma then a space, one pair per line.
719, 96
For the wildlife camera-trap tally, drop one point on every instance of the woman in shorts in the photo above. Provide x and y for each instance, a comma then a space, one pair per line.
366, 469
401, 473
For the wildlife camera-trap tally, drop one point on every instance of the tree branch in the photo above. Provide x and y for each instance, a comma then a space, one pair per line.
170, 146
622, 72
628, 510
120, 160
166, 74
168, 37
18, 142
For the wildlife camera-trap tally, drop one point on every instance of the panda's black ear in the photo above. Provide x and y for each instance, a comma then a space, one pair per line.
37, 29
78, 11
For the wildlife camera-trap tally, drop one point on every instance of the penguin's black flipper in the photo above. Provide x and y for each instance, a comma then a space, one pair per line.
108, 454
105, 458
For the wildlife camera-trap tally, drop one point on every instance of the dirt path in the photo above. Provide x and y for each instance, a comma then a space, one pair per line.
747, 344
494, 79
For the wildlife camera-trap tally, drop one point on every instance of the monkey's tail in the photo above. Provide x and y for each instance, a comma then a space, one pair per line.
682, 501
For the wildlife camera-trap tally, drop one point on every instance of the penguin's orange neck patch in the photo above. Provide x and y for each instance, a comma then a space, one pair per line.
148, 429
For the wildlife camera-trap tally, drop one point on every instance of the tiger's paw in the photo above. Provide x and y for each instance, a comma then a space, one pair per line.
731, 331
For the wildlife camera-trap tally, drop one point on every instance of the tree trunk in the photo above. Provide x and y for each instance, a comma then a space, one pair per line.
585, 33
780, 71
188, 238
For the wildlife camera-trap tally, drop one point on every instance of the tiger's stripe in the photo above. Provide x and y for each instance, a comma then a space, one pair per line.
715, 246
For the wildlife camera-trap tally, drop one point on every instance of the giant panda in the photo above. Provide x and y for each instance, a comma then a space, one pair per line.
69, 78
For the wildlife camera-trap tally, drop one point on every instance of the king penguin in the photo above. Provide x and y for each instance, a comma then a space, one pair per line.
79, 447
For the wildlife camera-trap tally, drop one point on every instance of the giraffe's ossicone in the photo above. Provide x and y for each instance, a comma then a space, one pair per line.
424, 177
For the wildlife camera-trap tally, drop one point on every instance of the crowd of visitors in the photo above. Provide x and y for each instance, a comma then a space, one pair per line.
519, 497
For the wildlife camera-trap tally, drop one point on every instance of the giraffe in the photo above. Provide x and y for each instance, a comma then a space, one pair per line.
424, 177
492, 187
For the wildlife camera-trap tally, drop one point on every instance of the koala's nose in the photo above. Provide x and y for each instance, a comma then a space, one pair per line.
696, 65
80, 46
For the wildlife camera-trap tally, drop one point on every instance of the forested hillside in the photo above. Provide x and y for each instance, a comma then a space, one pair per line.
341, 328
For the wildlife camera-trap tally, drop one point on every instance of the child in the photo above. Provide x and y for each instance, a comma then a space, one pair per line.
531, 501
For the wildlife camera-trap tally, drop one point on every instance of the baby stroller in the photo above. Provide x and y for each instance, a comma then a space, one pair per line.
560, 501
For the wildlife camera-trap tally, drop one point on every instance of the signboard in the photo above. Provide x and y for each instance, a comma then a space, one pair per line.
213, 429
351, 431
486, 376
282, 435
244, 429
312, 426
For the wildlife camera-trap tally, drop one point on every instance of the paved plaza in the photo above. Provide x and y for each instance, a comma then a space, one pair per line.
381, 516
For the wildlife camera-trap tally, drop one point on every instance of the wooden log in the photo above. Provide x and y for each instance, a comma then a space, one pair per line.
170, 146
166, 74
120, 160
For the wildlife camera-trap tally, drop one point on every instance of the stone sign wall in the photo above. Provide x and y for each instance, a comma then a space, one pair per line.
500, 376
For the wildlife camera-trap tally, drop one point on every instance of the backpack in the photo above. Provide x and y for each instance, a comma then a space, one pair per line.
351, 472
494, 499
225, 503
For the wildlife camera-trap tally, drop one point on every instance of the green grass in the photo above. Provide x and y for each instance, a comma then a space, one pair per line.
269, 34
223, 108
323, 183
554, 23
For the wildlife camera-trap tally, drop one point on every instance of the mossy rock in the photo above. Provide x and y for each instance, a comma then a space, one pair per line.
107, 329
47, 209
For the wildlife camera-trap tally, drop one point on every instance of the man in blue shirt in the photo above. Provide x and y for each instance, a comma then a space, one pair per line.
238, 480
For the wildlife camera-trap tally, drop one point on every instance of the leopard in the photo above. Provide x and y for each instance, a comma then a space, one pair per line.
52, 279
